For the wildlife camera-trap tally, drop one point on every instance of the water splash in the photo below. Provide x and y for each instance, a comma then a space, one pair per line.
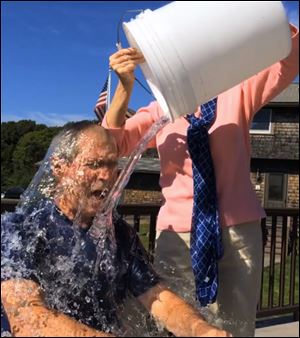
20, 242
102, 230
116, 192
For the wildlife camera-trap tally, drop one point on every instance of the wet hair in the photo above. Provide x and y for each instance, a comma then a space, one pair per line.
63, 146
65, 143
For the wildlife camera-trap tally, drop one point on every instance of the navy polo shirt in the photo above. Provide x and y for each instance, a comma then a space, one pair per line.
43, 245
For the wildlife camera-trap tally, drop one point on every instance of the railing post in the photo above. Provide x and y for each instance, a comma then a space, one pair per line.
152, 235
136, 222
272, 263
282, 261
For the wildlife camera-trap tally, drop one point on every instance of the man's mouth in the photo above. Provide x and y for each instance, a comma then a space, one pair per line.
100, 194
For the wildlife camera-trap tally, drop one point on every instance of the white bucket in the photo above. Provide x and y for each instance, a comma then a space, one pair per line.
195, 50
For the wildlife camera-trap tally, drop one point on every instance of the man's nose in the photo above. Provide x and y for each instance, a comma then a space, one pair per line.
105, 174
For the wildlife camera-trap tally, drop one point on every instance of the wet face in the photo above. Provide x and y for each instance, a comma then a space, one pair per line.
86, 180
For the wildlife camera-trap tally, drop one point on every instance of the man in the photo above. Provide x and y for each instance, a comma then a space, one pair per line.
55, 281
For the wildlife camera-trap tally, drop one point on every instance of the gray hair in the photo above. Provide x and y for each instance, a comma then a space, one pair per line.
65, 143
63, 146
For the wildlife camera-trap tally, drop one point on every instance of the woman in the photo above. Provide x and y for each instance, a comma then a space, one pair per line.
239, 209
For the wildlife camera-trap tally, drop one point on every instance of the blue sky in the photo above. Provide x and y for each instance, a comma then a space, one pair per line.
55, 54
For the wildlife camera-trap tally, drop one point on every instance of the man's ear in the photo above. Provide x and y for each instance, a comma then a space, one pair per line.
58, 167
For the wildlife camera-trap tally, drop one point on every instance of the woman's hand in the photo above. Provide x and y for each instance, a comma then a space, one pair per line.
124, 63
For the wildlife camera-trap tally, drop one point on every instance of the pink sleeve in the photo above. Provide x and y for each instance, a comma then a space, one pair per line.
134, 129
263, 87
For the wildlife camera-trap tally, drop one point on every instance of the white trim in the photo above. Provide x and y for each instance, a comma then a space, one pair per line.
263, 131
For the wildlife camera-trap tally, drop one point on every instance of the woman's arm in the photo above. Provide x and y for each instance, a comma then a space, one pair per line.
123, 63
264, 86
29, 317
128, 134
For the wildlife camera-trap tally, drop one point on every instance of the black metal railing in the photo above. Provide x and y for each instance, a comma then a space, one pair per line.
280, 283
147, 214
280, 277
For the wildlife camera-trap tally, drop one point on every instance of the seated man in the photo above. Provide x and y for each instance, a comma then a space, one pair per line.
53, 282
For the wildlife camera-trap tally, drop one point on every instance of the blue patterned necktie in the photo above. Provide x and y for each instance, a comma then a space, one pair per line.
206, 243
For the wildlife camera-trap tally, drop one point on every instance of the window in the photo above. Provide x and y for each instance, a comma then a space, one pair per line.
261, 123
276, 189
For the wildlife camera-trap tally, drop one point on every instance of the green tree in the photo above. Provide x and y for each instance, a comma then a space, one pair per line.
11, 132
30, 149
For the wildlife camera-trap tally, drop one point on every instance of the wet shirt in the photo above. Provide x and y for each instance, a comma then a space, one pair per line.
45, 246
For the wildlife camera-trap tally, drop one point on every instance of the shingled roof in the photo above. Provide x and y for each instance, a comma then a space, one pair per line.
144, 165
289, 95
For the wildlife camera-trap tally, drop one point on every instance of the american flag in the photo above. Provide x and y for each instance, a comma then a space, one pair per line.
129, 113
101, 104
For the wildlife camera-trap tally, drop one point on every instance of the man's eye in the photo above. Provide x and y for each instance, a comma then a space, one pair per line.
112, 164
102, 164
93, 165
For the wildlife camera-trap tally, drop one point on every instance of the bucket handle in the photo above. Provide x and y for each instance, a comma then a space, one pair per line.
119, 45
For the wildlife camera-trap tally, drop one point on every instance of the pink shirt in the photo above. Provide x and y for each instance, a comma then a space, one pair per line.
229, 143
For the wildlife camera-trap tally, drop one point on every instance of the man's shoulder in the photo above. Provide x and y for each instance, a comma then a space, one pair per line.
125, 233
141, 276
10, 219
25, 216
129, 242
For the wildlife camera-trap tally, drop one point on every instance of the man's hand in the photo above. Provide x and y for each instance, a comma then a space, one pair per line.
124, 63
176, 315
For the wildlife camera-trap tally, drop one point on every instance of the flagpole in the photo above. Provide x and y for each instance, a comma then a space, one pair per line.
108, 88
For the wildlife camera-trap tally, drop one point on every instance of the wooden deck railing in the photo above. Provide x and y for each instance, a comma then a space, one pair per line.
280, 277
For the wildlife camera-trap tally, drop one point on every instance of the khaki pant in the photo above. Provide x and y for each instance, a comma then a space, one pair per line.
239, 275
